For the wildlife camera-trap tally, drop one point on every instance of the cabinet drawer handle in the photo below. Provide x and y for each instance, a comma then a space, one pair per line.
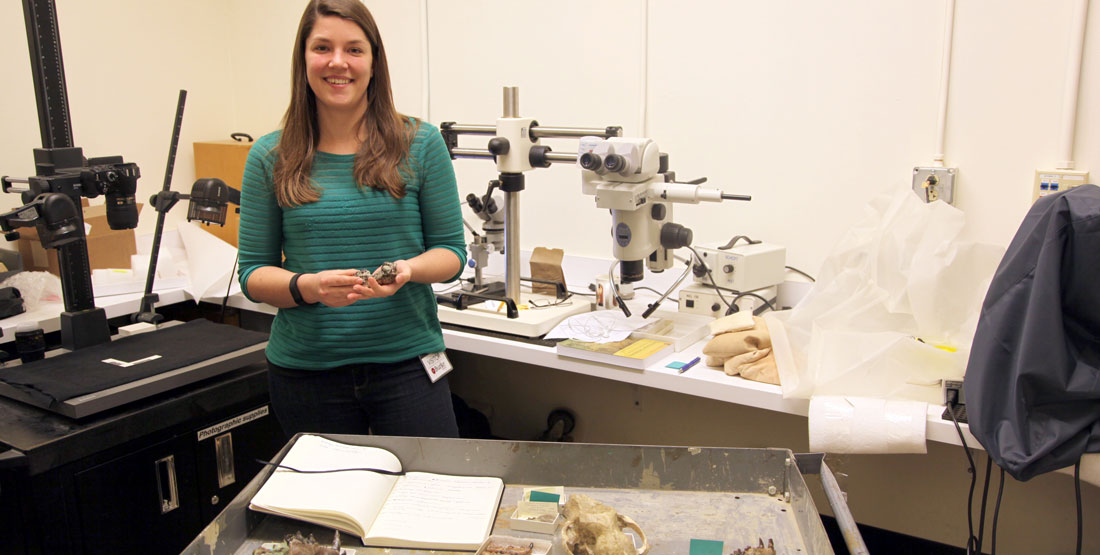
166, 484
223, 453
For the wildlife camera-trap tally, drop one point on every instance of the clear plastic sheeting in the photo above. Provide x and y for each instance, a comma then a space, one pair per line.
894, 308
35, 288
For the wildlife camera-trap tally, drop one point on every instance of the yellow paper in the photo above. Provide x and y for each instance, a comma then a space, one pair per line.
642, 348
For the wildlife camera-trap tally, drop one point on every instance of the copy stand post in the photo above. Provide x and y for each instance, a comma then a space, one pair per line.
209, 199
52, 197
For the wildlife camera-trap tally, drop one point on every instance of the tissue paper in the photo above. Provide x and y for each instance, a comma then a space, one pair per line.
866, 425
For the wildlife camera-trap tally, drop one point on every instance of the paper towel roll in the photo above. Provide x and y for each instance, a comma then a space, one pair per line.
867, 425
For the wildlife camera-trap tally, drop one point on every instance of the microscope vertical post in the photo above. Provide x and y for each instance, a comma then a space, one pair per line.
511, 217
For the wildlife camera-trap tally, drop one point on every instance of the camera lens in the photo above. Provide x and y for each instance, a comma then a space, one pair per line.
122, 211
30, 342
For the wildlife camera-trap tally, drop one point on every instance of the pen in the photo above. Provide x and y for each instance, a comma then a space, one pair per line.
691, 363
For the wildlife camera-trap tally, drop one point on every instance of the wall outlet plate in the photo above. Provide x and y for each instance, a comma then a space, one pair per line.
933, 184
957, 387
1048, 182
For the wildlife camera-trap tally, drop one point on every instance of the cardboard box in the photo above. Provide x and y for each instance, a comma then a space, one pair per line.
107, 248
224, 160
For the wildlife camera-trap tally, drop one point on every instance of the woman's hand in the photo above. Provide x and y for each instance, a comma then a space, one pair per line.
331, 287
371, 288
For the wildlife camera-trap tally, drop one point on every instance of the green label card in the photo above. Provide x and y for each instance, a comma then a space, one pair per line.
705, 547
543, 496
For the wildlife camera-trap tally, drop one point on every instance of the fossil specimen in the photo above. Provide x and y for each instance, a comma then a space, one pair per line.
296, 544
770, 550
508, 549
385, 274
592, 528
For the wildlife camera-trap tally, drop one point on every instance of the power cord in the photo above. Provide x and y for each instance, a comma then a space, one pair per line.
228, 286
985, 495
996, 513
971, 541
767, 304
973, 545
1077, 490
804, 274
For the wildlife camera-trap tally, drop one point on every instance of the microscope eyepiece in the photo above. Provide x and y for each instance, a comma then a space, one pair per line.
590, 161
615, 163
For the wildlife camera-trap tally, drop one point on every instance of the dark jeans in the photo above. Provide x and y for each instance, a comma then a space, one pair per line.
394, 399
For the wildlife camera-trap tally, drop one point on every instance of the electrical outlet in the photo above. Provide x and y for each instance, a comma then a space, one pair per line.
954, 400
932, 184
1052, 181
955, 386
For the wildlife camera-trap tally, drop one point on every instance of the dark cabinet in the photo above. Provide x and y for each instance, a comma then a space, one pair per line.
227, 460
145, 479
147, 496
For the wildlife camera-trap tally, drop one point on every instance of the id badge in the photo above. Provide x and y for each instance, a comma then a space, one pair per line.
436, 365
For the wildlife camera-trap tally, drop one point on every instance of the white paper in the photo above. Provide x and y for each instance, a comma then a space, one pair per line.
867, 425
107, 282
601, 326
290, 493
210, 263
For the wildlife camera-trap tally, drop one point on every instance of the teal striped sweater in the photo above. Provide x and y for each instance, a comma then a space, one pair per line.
352, 227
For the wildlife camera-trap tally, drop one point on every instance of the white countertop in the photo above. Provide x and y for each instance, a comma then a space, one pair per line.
699, 381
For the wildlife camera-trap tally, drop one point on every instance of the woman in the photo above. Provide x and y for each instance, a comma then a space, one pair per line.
347, 185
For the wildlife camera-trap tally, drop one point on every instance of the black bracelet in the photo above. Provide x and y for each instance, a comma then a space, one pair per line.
294, 292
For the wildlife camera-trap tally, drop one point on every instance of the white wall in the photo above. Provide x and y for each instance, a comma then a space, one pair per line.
811, 107
125, 62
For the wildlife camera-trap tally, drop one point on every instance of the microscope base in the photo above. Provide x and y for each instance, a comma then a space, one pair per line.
532, 322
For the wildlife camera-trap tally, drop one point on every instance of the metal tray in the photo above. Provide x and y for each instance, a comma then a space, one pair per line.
738, 496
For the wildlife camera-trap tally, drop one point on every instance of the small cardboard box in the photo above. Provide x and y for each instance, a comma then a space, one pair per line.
224, 160
107, 248
541, 518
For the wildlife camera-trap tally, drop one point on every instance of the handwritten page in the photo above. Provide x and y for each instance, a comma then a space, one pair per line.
433, 509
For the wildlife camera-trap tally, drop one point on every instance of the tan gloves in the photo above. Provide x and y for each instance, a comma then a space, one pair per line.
747, 353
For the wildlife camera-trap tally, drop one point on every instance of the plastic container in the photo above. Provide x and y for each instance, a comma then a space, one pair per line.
681, 329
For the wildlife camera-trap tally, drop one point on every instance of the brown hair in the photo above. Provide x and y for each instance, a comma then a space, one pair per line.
383, 154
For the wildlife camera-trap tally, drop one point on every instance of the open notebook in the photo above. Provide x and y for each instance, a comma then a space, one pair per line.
417, 510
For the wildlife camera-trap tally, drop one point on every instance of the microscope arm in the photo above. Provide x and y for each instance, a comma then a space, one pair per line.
691, 193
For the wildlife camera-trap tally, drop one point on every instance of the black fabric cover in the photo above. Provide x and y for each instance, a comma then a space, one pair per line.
81, 372
1033, 379
11, 302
